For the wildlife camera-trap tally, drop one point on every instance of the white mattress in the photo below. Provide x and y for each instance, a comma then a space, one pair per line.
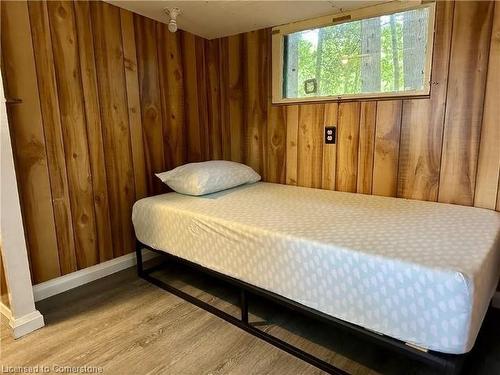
418, 271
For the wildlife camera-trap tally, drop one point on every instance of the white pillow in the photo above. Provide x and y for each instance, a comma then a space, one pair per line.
208, 177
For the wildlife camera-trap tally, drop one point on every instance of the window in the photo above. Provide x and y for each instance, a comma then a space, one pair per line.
382, 51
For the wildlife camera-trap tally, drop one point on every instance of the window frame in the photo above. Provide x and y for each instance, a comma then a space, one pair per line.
278, 41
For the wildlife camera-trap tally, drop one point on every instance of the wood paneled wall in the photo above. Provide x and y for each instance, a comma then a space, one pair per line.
110, 97
4, 292
445, 148
103, 108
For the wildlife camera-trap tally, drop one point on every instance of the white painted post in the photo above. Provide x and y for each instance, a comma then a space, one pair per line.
24, 318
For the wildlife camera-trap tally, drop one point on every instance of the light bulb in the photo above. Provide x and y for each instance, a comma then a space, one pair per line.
172, 23
172, 26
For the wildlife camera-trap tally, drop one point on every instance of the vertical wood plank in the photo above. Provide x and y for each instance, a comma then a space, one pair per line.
134, 103
366, 147
28, 140
276, 144
292, 128
276, 131
329, 151
4, 291
149, 88
256, 98
347, 146
236, 98
94, 131
466, 83
265, 61
73, 120
423, 119
310, 145
201, 81
194, 134
115, 125
172, 96
224, 97
489, 149
386, 158
213, 98
54, 143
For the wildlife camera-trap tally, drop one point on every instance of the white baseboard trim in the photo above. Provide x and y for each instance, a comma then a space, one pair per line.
72, 280
5, 311
26, 324
496, 300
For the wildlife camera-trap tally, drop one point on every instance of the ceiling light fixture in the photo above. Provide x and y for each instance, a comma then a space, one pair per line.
172, 23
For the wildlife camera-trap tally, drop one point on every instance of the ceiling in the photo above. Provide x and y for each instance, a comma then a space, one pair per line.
215, 19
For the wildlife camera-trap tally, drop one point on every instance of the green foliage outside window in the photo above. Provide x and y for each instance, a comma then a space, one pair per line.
381, 54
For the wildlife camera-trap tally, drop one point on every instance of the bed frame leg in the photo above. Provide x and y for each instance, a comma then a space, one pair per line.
244, 306
456, 366
138, 253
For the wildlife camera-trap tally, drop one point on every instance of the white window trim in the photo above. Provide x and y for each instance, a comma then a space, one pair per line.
279, 32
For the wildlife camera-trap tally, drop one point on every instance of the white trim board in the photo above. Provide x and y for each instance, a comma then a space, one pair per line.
23, 325
496, 300
72, 280
26, 324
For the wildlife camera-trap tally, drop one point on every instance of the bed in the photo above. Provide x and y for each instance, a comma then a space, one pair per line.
420, 272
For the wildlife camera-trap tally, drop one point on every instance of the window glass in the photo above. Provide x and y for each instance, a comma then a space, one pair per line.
384, 54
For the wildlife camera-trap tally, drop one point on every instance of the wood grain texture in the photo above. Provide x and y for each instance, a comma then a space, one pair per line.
102, 122
466, 86
151, 110
366, 149
423, 119
30, 157
310, 145
49, 105
201, 88
172, 96
489, 149
276, 135
212, 66
256, 86
276, 144
94, 131
292, 140
405, 158
195, 146
73, 121
115, 123
4, 291
347, 146
134, 103
329, 161
235, 96
223, 77
386, 158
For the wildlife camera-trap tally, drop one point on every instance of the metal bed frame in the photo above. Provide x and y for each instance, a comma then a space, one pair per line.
449, 364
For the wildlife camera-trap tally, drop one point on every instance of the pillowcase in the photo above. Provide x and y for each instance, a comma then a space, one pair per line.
208, 177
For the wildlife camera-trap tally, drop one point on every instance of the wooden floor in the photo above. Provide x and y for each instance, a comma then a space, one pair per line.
126, 326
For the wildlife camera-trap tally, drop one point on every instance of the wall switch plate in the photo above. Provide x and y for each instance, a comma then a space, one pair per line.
330, 135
